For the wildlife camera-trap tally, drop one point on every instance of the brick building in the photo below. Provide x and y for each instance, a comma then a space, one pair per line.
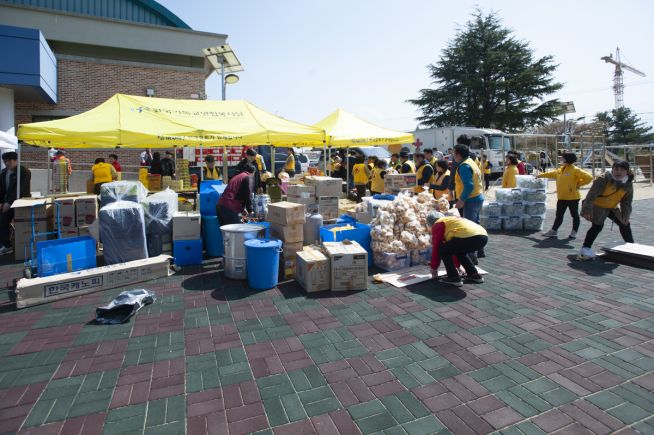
97, 49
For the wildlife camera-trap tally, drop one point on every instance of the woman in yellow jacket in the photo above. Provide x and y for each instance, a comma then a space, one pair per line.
508, 179
102, 173
610, 190
289, 167
569, 178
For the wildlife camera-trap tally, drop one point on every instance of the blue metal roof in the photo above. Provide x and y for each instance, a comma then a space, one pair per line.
137, 11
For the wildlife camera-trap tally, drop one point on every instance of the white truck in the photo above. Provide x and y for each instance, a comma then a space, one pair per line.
483, 140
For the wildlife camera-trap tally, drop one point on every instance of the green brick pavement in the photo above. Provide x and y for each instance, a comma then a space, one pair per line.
296, 395
332, 345
156, 347
215, 369
163, 416
73, 397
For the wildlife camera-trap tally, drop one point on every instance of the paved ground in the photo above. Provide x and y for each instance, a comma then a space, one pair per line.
545, 345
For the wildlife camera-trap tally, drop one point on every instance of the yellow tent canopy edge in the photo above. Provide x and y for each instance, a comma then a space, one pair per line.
129, 121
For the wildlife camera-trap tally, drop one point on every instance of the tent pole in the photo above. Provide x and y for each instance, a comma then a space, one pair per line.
272, 160
201, 161
225, 166
324, 160
49, 174
18, 173
347, 165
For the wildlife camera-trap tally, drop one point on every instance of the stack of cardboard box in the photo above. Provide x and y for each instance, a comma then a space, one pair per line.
339, 266
76, 213
319, 193
30, 215
287, 224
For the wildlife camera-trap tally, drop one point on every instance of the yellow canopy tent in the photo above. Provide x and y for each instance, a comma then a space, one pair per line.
344, 129
134, 122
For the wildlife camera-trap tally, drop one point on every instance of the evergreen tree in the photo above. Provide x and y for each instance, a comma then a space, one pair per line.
624, 127
486, 77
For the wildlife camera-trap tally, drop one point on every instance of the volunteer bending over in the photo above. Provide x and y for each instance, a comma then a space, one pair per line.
237, 197
607, 192
454, 238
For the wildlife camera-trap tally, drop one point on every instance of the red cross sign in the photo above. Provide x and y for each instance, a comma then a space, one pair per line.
418, 144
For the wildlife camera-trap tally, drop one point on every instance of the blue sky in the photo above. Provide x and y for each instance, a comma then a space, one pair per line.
303, 59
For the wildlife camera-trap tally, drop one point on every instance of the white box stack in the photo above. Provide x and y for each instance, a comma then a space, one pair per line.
349, 265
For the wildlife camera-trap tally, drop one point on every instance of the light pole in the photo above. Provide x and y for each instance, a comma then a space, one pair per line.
222, 58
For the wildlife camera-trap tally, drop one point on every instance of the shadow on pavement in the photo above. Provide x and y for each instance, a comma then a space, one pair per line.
550, 242
596, 267
438, 292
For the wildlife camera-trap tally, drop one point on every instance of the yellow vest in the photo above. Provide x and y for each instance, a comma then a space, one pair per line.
419, 172
376, 181
478, 186
290, 163
439, 181
259, 161
101, 173
460, 228
610, 198
359, 172
508, 179
433, 161
411, 164
211, 174
487, 168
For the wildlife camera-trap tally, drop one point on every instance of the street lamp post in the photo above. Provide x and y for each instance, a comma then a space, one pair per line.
223, 58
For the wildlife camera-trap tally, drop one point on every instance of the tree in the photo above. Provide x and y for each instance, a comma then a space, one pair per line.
486, 77
624, 127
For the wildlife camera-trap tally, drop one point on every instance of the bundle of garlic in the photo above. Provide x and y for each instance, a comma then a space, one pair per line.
443, 204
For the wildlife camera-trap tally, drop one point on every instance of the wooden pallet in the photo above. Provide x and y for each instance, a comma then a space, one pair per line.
630, 254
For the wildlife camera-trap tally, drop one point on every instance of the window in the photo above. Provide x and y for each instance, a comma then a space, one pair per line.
495, 142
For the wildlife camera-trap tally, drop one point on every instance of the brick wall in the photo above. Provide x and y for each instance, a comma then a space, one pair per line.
84, 84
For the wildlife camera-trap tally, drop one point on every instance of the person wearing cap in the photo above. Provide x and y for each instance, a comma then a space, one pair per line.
168, 165
469, 188
486, 169
8, 181
610, 190
569, 178
209, 170
453, 239
408, 167
424, 173
102, 173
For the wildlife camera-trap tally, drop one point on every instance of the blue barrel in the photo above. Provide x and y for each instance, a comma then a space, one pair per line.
213, 237
210, 192
265, 225
263, 254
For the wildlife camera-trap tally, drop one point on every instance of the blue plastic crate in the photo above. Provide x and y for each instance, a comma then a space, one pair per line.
65, 255
187, 252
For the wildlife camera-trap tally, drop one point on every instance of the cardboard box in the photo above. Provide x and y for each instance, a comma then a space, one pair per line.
301, 191
37, 291
290, 250
300, 200
186, 226
84, 231
325, 186
328, 212
23, 238
66, 210
69, 232
328, 207
86, 210
397, 182
349, 265
312, 270
286, 213
287, 233
23, 208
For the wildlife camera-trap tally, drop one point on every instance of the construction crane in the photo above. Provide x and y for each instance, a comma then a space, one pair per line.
618, 83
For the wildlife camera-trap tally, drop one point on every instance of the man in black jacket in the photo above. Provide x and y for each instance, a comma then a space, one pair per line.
8, 195
168, 165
